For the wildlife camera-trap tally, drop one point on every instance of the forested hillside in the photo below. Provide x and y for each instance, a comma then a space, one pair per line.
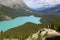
23, 31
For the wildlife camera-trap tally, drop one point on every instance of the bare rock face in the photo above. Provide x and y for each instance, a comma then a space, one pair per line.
11, 3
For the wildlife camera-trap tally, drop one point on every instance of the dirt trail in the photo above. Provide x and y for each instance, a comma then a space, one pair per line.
51, 33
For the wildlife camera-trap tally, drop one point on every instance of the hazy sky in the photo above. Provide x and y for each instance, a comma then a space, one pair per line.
41, 3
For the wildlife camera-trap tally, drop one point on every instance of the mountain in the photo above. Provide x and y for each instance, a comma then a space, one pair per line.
52, 14
48, 14
12, 3
55, 9
15, 8
19, 3
13, 13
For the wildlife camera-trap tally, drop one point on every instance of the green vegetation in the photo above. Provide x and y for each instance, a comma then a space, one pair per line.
22, 32
51, 19
1, 35
13, 13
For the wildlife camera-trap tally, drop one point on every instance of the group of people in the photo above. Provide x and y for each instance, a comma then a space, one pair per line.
48, 26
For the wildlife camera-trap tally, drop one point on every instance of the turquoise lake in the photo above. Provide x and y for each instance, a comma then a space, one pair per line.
8, 24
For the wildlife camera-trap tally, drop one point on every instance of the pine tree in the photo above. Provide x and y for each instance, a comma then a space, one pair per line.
2, 36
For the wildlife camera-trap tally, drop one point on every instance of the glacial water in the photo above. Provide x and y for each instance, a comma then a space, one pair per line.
8, 24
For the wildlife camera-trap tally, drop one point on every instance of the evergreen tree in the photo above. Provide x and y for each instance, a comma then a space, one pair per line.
2, 35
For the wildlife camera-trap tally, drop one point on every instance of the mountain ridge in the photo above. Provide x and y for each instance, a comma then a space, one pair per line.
11, 3
55, 9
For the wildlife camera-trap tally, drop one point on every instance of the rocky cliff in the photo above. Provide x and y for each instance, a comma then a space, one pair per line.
12, 3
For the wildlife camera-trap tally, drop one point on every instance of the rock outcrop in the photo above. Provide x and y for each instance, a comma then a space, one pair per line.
12, 3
